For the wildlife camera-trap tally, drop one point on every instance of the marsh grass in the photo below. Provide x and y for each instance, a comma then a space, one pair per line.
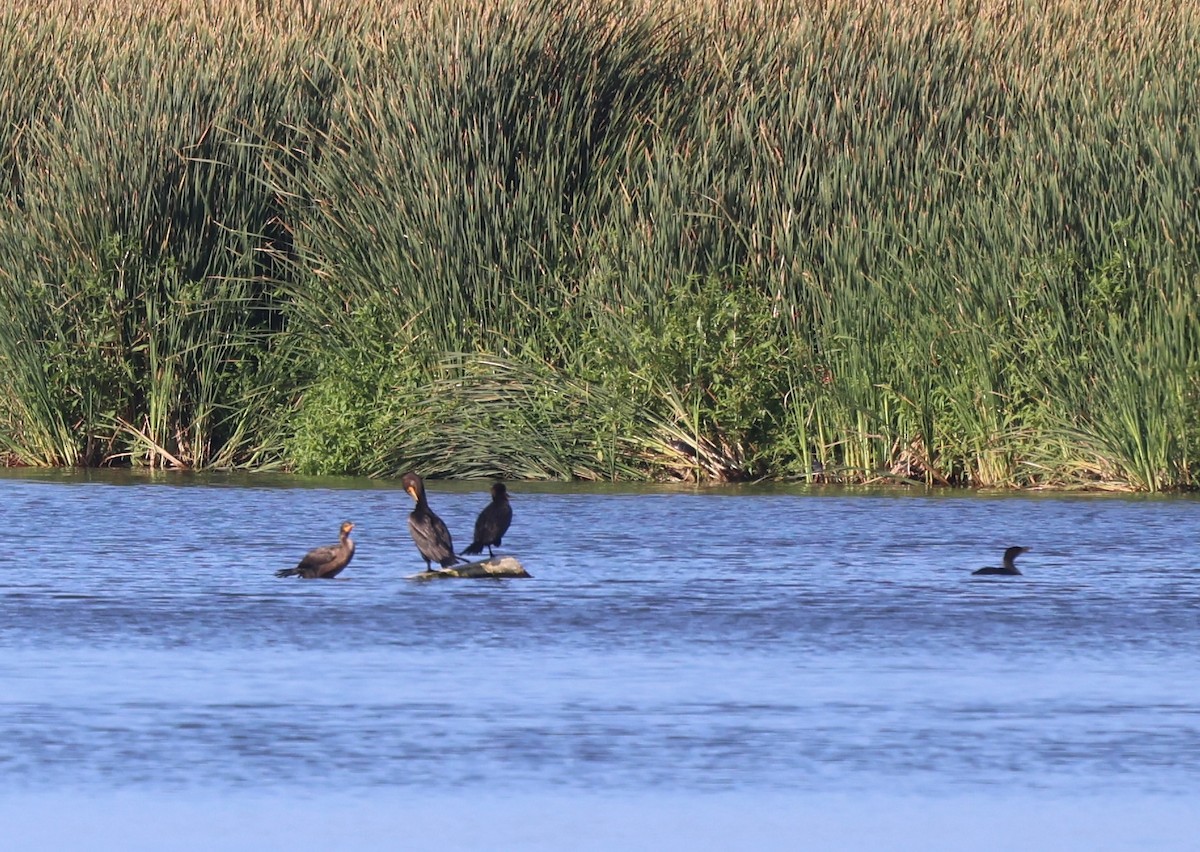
944, 243
134, 232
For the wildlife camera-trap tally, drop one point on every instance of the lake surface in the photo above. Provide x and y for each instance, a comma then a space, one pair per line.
749, 668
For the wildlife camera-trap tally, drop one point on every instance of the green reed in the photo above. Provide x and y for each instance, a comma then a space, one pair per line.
938, 243
135, 243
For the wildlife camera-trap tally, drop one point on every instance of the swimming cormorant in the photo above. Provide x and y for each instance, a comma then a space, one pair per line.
428, 530
324, 562
1009, 568
493, 521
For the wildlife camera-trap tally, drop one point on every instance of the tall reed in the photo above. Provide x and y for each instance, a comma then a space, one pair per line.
132, 242
932, 242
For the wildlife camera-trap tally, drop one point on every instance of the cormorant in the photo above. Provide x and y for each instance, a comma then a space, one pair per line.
493, 521
428, 530
324, 562
1009, 567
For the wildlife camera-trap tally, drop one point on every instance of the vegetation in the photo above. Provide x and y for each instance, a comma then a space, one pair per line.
840, 240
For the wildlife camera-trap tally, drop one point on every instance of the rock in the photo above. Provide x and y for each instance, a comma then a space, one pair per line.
494, 568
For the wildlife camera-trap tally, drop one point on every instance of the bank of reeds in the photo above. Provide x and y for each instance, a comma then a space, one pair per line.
846, 240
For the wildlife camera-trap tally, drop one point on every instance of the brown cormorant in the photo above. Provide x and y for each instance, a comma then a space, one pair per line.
428, 530
1009, 568
324, 562
493, 521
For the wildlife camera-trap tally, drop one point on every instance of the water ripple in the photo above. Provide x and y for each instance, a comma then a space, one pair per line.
809, 640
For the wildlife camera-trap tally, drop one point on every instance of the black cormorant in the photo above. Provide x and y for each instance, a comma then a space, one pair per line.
493, 521
1009, 568
428, 530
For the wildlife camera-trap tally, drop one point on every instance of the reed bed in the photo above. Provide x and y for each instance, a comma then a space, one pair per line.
937, 242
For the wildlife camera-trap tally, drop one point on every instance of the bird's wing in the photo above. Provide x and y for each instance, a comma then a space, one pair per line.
317, 557
442, 535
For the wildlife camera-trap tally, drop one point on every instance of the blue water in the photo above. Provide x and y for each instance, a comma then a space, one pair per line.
757, 664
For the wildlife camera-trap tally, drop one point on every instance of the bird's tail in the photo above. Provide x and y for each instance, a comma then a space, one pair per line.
474, 548
288, 572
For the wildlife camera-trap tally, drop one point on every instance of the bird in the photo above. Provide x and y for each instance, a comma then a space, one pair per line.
324, 562
1009, 567
428, 531
493, 521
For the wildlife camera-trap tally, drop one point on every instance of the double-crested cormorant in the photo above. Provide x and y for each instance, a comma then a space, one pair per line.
428, 530
324, 562
1009, 567
493, 521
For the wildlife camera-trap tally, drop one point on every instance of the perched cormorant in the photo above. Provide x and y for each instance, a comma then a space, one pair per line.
324, 562
493, 521
1009, 567
428, 530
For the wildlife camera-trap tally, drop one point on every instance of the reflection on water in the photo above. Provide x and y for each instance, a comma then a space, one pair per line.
724, 641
